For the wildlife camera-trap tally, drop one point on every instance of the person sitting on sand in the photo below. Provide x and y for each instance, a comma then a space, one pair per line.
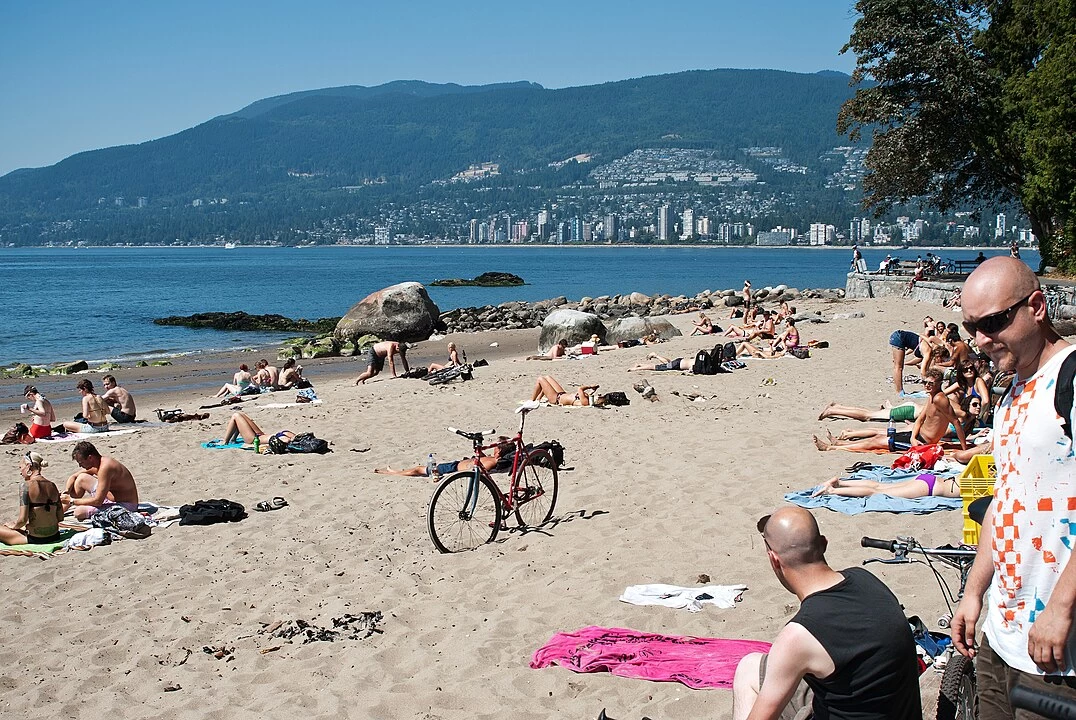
266, 375
905, 412
94, 415
240, 382
40, 509
489, 462
102, 481
453, 359
123, 405
291, 376
547, 388
662, 364
41, 409
378, 354
703, 326
788, 339
929, 427
924, 485
240, 425
557, 352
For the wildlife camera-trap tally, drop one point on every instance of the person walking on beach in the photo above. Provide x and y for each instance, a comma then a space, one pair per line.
378, 354
102, 481
1024, 563
121, 402
41, 409
847, 653
94, 415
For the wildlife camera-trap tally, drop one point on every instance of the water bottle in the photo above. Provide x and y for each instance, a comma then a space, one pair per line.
891, 433
257, 445
431, 466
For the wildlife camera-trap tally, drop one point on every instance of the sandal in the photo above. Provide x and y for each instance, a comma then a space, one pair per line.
274, 504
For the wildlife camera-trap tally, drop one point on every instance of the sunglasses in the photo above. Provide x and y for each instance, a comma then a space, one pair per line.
997, 322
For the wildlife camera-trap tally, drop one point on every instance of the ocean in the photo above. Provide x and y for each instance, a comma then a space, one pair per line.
98, 304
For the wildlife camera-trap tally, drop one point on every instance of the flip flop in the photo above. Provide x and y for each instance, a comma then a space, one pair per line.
274, 504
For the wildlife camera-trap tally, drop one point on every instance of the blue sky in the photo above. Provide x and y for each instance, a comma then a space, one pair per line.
79, 76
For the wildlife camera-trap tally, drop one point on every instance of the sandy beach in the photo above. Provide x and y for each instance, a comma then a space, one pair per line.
655, 492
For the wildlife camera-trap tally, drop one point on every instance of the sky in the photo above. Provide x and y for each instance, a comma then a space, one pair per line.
78, 76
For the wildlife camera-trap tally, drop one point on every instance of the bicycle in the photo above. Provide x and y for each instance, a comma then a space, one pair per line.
468, 508
958, 697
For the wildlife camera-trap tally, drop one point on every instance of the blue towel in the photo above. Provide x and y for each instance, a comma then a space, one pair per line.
219, 444
877, 503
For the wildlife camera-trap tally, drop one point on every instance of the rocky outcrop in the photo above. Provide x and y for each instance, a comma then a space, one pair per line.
402, 312
633, 328
245, 321
572, 326
488, 279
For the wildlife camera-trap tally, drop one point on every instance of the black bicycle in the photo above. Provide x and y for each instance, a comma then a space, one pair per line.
958, 696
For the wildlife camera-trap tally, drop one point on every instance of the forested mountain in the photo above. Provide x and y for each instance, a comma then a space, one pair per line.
408, 134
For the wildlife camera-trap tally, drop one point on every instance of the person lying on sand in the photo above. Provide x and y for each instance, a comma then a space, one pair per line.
102, 481
905, 412
662, 364
240, 425
557, 352
925, 485
929, 427
441, 469
547, 388
40, 509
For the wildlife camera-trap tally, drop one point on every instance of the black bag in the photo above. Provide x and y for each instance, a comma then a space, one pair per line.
556, 450
1063, 392
728, 352
417, 372
118, 519
307, 443
277, 445
704, 363
208, 512
800, 352
616, 399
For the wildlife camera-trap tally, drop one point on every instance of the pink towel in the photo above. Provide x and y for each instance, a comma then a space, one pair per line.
695, 662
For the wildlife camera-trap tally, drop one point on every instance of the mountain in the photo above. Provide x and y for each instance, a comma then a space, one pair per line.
410, 133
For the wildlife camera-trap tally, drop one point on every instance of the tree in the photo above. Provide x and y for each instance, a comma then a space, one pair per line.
970, 102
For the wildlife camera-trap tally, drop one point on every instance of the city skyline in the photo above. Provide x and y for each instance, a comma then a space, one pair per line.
83, 77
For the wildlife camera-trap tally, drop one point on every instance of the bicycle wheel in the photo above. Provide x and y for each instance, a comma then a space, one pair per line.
534, 493
457, 519
958, 697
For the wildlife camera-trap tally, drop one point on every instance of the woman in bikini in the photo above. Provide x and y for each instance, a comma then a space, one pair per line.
925, 485
968, 385
547, 388
41, 409
40, 511
95, 413
240, 382
704, 326
240, 425
453, 359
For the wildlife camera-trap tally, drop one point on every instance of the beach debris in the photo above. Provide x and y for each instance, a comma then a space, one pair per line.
703, 579
494, 344
219, 652
172, 687
345, 627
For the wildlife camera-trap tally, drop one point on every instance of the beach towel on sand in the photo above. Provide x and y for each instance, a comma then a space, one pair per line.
695, 662
73, 436
35, 548
219, 444
689, 598
878, 503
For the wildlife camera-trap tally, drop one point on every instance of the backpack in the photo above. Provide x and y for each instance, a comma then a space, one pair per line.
616, 399
307, 443
208, 512
728, 352
705, 363
1063, 393
800, 352
121, 521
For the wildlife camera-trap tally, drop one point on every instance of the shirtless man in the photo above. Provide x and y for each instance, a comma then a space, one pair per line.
102, 481
94, 411
266, 375
557, 352
930, 427
121, 402
378, 354
488, 463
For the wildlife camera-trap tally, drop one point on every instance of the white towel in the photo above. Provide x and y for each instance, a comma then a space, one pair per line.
723, 596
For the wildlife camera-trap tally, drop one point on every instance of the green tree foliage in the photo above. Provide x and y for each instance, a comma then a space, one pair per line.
970, 102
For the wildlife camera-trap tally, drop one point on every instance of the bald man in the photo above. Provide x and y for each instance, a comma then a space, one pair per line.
1023, 563
848, 652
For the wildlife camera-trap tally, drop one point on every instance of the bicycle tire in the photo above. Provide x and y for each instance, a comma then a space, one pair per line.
958, 697
451, 528
534, 492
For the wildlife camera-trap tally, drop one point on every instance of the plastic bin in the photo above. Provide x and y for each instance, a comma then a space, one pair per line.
976, 481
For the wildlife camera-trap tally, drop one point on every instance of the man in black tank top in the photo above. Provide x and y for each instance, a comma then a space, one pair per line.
849, 645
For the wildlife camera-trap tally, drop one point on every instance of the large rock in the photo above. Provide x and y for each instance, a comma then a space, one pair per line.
401, 312
633, 328
570, 325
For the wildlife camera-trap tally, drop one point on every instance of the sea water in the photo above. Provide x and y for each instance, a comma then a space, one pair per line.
99, 303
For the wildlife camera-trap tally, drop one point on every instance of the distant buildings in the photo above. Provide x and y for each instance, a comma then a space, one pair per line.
610, 228
664, 223
1000, 226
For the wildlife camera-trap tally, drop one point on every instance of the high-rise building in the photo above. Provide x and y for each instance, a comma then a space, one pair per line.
1001, 226
543, 224
588, 232
611, 227
576, 229
563, 232
383, 235
702, 227
473, 231
855, 231
688, 223
664, 223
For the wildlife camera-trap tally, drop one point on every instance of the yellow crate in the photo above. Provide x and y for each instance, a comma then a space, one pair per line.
975, 482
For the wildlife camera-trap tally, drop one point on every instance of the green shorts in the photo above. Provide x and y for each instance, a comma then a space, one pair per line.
903, 413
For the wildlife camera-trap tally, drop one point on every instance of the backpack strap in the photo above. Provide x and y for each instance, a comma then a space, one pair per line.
1063, 393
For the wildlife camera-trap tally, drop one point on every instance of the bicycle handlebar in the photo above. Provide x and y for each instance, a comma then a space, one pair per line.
868, 542
1043, 703
475, 436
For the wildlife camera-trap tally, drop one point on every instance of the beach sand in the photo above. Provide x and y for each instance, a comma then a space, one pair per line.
657, 492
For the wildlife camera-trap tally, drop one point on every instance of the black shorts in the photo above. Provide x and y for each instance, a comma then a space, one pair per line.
122, 417
375, 361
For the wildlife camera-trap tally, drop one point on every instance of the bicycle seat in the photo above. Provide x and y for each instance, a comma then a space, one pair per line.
528, 406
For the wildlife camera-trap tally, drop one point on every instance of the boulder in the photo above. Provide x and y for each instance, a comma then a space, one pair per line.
733, 300
633, 328
570, 325
71, 368
638, 298
402, 312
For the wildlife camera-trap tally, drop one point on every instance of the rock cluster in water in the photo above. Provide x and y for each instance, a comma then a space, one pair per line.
244, 321
487, 279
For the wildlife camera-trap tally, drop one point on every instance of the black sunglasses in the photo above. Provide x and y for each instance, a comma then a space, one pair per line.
995, 323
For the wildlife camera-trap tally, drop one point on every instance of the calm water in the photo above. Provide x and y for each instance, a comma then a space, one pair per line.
99, 303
